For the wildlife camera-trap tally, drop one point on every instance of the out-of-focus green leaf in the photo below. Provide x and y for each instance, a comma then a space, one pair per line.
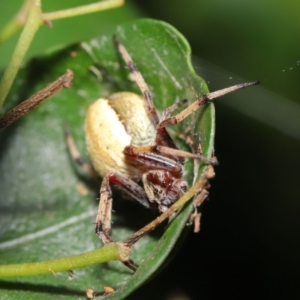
67, 31
43, 212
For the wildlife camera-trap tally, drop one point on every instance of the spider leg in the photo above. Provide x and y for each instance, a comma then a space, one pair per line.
162, 136
167, 112
198, 186
139, 81
103, 219
187, 137
153, 160
130, 264
201, 101
76, 155
148, 155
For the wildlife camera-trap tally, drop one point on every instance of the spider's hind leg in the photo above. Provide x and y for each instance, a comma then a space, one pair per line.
103, 220
76, 155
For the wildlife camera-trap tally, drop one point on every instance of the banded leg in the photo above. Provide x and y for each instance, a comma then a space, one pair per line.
76, 155
139, 79
201, 101
103, 219
167, 112
148, 155
162, 136
198, 186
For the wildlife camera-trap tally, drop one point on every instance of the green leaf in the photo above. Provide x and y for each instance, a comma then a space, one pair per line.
43, 214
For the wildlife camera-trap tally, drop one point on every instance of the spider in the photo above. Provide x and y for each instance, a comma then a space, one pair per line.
130, 148
129, 145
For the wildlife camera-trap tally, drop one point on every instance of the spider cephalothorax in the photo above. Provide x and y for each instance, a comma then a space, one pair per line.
163, 188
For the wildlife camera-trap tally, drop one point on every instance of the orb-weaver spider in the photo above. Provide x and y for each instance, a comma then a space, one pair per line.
131, 149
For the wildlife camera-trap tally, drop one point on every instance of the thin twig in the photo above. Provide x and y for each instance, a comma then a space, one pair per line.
34, 20
108, 252
17, 21
27, 105
82, 10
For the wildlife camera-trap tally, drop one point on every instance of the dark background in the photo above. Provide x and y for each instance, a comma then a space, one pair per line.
249, 242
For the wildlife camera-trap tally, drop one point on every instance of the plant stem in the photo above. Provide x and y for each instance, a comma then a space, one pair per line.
34, 20
17, 21
81, 10
32, 24
106, 253
24, 107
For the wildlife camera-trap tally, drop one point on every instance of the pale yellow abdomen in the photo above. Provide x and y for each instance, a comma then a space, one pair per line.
113, 123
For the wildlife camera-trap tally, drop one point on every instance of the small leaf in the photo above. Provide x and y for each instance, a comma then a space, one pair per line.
44, 213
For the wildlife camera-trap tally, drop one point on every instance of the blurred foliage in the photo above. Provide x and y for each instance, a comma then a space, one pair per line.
249, 243
251, 39
64, 32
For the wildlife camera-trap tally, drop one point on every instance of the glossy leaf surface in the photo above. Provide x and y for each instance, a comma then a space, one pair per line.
45, 213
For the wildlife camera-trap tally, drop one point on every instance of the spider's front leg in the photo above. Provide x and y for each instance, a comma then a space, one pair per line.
77, 158
103, 220
168, 120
